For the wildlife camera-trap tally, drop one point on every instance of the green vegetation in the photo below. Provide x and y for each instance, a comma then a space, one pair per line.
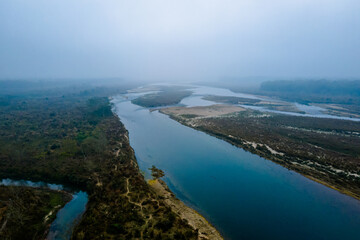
156, 173
52, 139
326, 150
25, 212
74, 139
168, 96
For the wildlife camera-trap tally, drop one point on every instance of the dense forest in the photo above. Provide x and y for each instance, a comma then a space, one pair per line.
25, 212
73, 138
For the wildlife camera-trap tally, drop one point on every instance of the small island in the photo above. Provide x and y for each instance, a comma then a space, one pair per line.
164, 97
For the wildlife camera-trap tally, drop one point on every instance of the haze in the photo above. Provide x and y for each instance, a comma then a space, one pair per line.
179, 40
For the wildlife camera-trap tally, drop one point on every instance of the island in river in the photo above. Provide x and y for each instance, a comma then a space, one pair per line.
162, 96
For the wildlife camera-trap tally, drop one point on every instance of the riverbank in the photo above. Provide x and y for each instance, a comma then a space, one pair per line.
193, 218
77, 141
243, 194
323, 150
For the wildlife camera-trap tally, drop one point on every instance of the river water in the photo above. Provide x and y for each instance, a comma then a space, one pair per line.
67, 217
309, 110
243, 195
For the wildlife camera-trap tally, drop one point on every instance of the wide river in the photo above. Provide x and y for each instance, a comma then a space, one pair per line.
243, 195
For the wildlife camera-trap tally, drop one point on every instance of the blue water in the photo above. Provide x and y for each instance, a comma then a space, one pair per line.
67, 217
243, 195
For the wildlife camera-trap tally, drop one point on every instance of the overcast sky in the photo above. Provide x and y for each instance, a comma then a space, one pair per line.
179, 40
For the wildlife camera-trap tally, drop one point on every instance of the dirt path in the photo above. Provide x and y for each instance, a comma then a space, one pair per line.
129, 198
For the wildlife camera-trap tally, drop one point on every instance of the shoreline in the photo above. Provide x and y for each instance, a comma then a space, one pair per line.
273, 157
192, 217
281, 162
70, 197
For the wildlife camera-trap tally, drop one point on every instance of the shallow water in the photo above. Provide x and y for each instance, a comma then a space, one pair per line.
242, 194
67, 217
200, 91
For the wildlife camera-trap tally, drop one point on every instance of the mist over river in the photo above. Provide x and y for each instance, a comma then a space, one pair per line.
243, 195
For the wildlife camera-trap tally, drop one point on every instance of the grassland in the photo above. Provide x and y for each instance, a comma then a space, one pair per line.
325, 150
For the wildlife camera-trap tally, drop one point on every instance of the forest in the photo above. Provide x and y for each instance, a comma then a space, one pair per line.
74, 139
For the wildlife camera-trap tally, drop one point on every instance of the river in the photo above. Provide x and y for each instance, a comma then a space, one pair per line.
243, 195
67, 217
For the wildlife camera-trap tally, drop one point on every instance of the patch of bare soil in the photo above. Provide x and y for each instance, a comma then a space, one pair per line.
203, 111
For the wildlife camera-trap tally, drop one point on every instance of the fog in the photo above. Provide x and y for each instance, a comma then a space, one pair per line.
179, 40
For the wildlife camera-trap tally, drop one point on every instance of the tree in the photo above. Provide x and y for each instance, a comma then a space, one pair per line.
156, 173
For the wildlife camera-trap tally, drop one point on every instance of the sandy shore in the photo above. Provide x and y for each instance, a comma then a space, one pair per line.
205, 229
204, 111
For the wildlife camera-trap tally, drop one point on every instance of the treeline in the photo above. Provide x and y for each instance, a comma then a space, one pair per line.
10, 89
316, 91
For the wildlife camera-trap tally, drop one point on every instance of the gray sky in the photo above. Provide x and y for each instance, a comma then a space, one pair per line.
179, 40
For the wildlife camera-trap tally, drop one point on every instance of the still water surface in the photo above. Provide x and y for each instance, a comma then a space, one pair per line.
241, 194
67, 217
